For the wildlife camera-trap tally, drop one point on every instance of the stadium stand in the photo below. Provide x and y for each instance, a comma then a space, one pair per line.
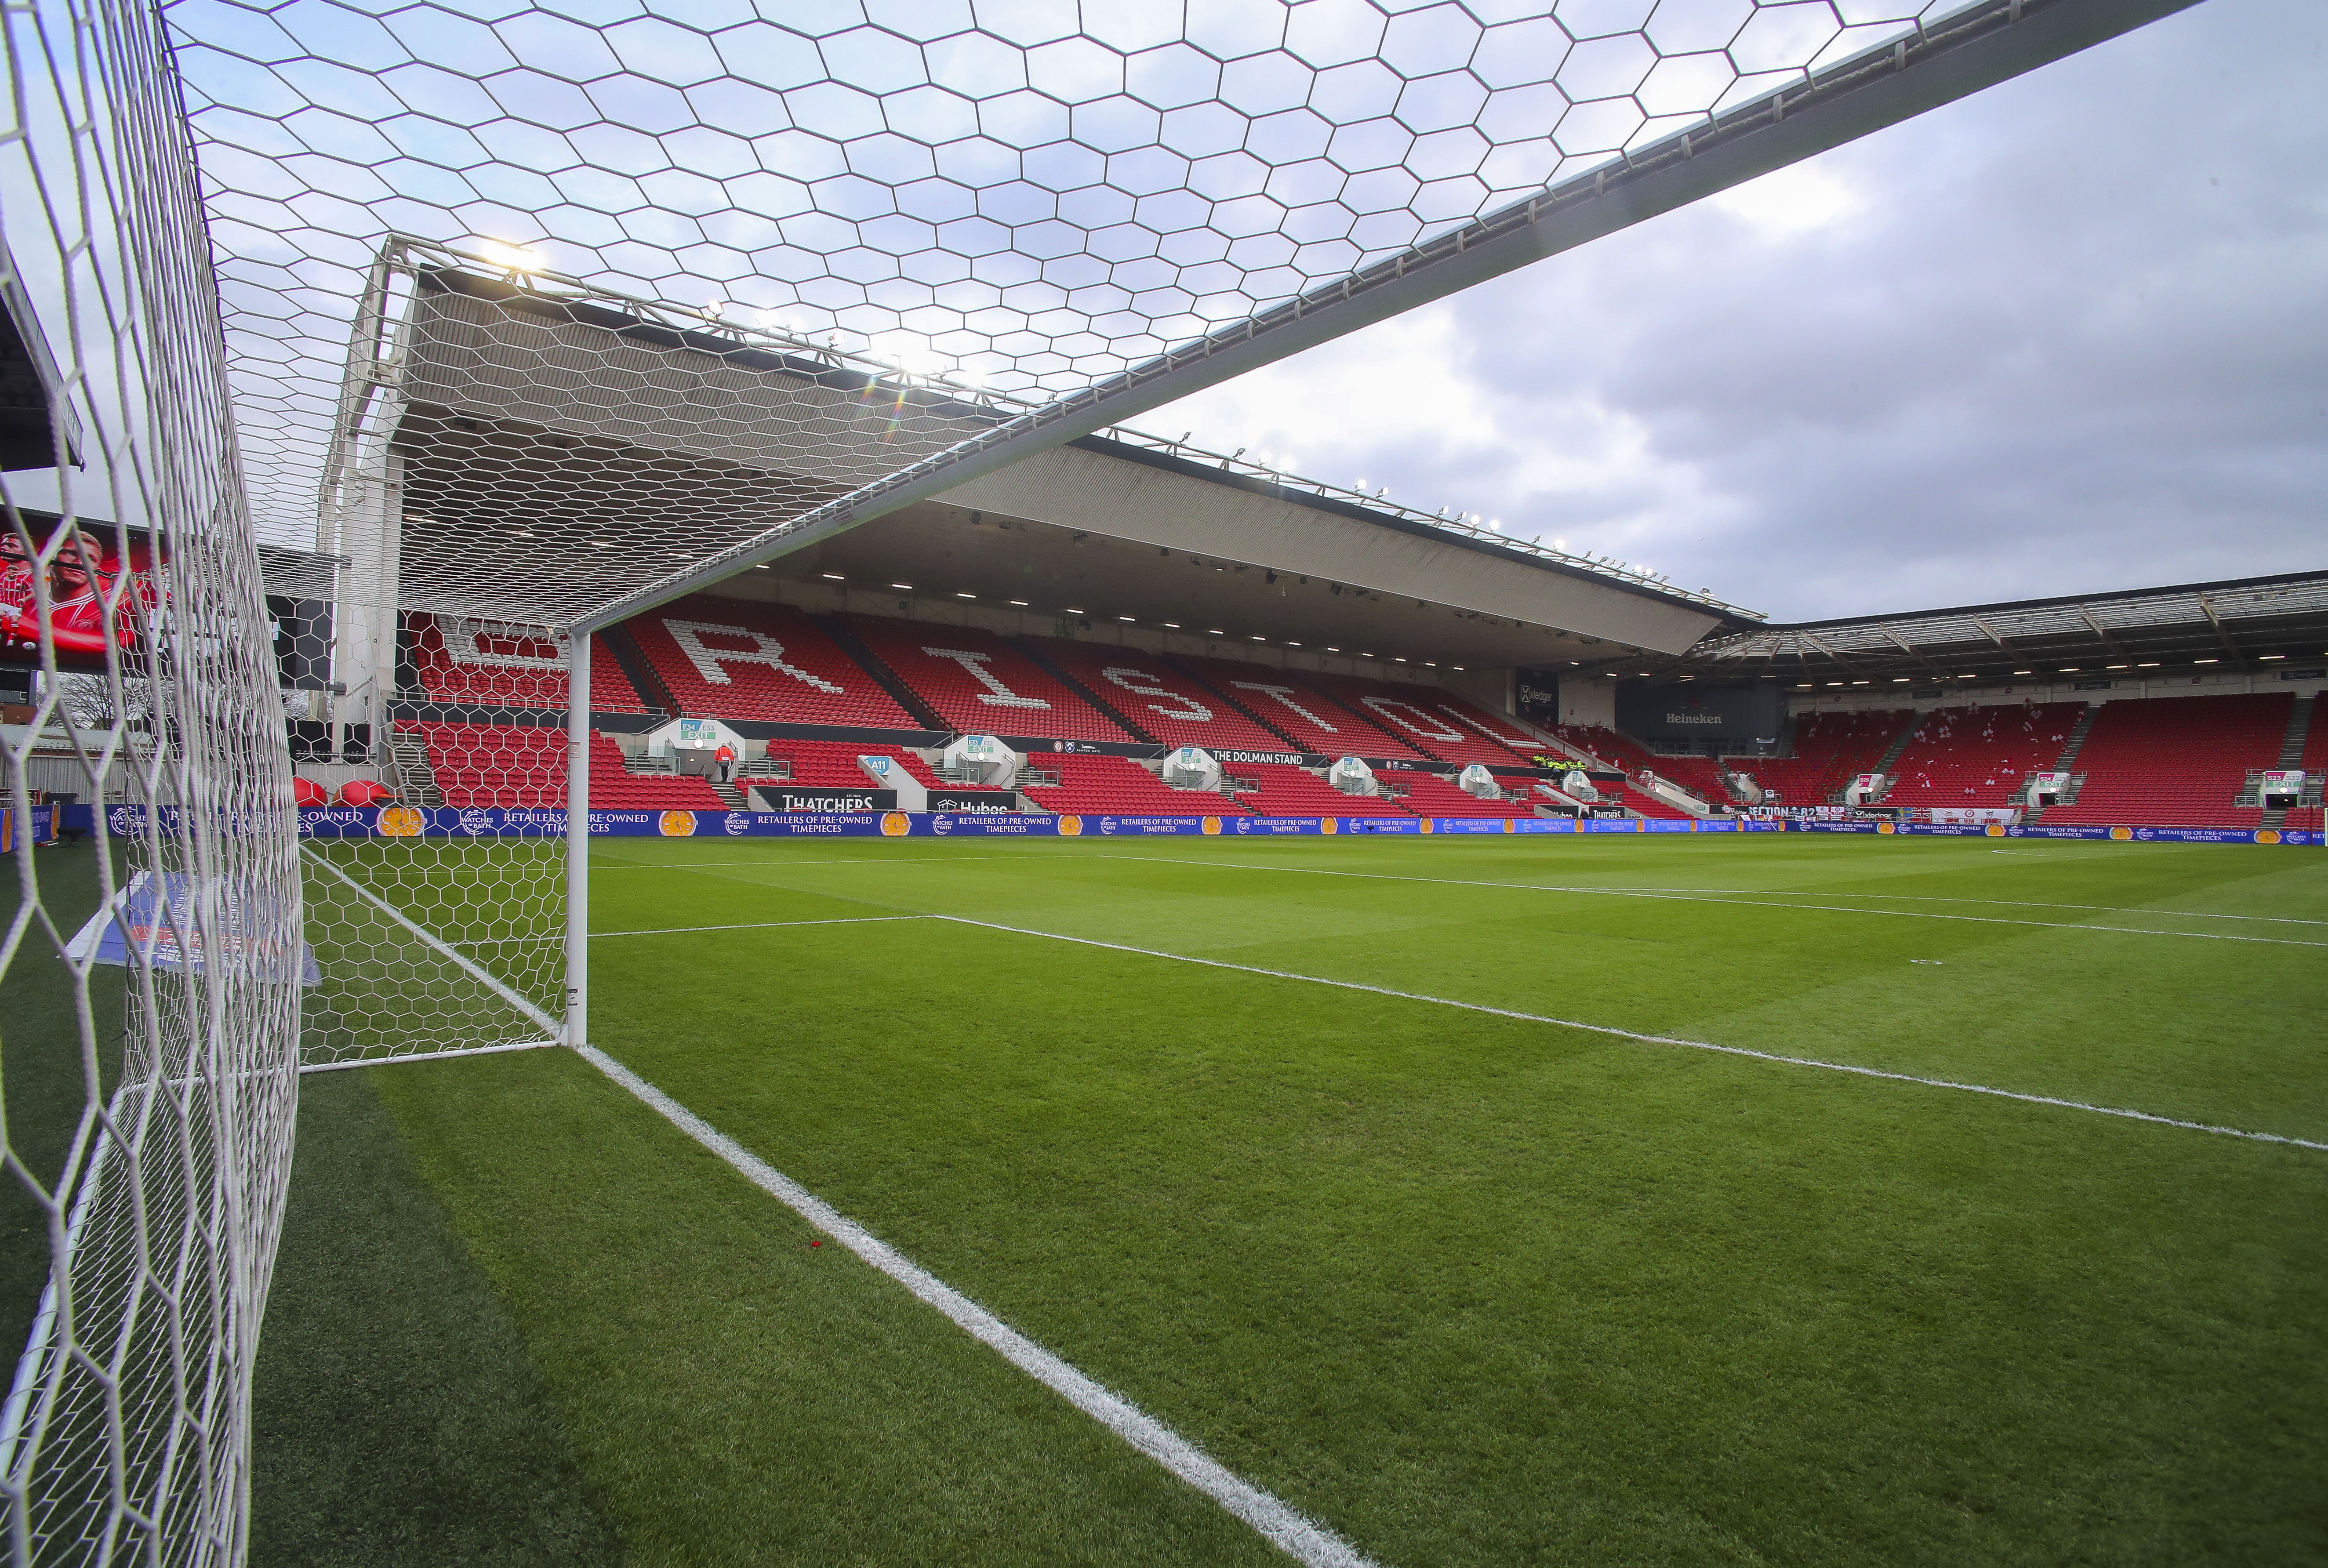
1149, 691
736, 659
1699, 775
2176, 761
1429, 795
828, 764
510, 765
1278, 789
493, 665
1643, 804
980, 684
1431, 722
2313, 761
1314, 722
1978, 755
1115, 786
1829, 748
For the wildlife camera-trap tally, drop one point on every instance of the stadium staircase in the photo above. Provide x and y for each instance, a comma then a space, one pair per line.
1223, 691
1890, 757
903, 695
1030, 701
618, 641
2292, 747
409, 773
2068, 761
1033, 648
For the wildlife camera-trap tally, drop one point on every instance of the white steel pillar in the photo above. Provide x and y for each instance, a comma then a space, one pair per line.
578, 838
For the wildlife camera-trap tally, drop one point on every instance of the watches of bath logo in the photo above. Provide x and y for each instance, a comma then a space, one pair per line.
1107, 824
476, 821
677, 825
940, 824
738, 823
1244, 824
896, 824
126, 823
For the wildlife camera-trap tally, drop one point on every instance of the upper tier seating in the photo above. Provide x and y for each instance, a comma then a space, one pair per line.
1976, 756
1429, 795
828, 765
510, 765
1829, 748
1158, 698
736, 659
1116, 786
2176, 761
494, 664
1282, 699
982, 685
1279, 789
1430, 719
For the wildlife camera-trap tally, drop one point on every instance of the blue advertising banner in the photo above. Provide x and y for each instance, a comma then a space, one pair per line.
402, 821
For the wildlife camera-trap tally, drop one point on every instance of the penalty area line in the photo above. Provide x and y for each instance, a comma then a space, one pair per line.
1661, 1039
1276, 1521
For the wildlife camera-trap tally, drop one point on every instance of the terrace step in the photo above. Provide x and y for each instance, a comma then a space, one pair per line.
2291, 747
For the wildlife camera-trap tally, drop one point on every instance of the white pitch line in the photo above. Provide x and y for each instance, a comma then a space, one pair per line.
1653, 1039
1276, 1521
1747, 901
757, 926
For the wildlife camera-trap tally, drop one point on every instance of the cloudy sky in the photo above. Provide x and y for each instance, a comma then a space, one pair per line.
2068, 335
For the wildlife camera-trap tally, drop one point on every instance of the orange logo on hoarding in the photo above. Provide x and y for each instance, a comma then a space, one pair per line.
1427, 824
2267, 835
2121, 835
1212, 824
1887, 828
1327, 824
677, 825
1511, 825
896, 824
399, 822
1069, 826
1997, 829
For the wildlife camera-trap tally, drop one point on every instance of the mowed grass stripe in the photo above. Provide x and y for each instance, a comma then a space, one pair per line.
2076, 1015
1473, 1290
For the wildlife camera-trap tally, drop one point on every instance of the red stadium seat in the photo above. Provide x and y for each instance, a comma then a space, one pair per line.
740, 659
2176, 761
1978, 755
1158, 698
475, 664
980, 684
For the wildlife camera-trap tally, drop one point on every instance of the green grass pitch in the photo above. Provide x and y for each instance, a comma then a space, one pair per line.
1466, 1288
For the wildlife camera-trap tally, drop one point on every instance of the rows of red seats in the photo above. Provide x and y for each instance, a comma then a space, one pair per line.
1829, 748
829, 763
1279, 789
2176, 760
1314, 722
738, 659
493, 665
509, 765
1165, 702
1010, 694
1978, 755
1436, 723
1100, 785
1429, 795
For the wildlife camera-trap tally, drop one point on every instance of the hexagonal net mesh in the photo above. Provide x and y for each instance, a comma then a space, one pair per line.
1021, 196
150, 975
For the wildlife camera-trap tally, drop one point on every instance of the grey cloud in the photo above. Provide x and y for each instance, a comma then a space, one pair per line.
2074, 337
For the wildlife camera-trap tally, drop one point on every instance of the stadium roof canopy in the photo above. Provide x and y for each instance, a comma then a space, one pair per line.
2249, 624
1093, 211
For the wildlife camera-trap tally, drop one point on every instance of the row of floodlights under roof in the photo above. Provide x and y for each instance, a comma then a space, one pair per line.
1168, 625
2063, 670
